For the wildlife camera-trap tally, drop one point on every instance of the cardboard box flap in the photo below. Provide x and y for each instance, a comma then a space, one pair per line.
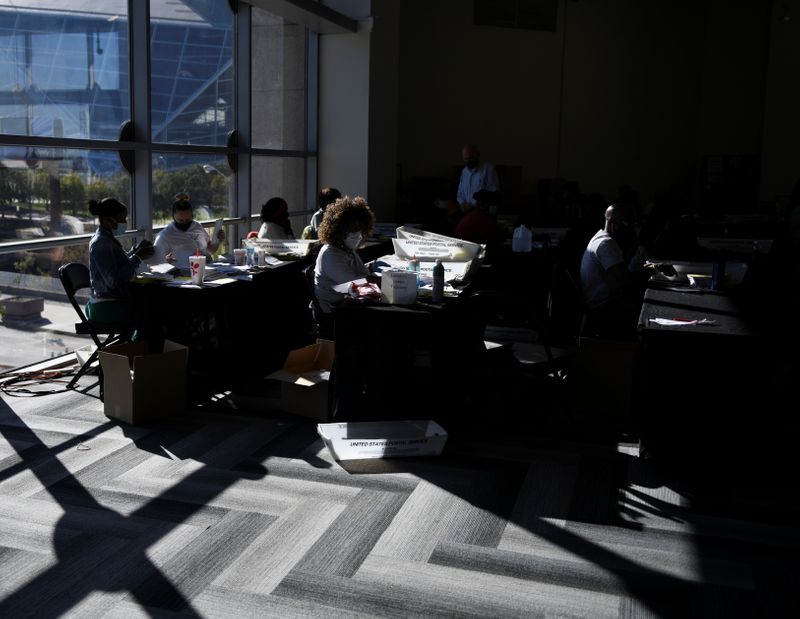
317, 356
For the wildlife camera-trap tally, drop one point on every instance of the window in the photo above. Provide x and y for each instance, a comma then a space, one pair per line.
69, 89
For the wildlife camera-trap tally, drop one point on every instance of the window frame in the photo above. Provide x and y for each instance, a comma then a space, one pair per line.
135, 143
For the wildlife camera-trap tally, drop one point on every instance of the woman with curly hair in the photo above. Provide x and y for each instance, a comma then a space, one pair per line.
347, 222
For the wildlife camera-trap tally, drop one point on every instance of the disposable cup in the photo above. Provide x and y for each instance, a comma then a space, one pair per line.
197, 268
239, 257
261, 256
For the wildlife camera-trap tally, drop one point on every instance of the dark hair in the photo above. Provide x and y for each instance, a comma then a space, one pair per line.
341, 215
181, 204
276, 210
327, 195
107, 207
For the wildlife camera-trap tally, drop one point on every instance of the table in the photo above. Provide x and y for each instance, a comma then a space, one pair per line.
691, 304
236, 332
701, 388
405, 362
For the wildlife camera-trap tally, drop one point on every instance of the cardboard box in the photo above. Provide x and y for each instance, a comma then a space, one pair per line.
383, 439
140, 385
399, 287
304, 380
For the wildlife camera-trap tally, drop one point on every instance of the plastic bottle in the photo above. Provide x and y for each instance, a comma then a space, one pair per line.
413, 265
522, 241
438, 282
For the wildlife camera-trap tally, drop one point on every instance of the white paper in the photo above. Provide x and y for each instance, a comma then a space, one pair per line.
670, 322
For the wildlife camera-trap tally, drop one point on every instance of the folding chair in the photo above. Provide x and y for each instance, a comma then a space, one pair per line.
74, 277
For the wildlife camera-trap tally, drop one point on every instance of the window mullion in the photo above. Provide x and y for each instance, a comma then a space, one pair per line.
139, 38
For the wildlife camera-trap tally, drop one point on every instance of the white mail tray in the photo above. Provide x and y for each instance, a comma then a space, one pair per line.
383, 439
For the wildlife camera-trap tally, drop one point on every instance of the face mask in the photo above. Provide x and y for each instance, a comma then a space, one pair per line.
183, 227
119, 230
353, 240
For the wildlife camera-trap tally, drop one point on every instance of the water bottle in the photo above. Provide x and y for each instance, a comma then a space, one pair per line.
718, 273
251, 256
438, 282
413, 265
522, 241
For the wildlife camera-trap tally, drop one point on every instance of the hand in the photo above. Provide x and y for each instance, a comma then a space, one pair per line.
145, 250
170, 257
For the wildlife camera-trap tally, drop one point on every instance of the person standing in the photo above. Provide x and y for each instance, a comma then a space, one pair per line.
476, 176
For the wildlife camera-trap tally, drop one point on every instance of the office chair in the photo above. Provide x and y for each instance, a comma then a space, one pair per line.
74, 277
323, 323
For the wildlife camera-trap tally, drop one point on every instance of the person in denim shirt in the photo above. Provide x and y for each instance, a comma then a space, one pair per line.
111, 268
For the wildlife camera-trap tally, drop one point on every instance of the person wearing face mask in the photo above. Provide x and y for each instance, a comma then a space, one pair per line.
476, 176
184, 236
111, 268
347, 222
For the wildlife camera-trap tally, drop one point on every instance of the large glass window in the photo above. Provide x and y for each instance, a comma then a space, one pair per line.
278, 83
282, 177
207, 179
67, 74
191, 47
63, 70
44, 192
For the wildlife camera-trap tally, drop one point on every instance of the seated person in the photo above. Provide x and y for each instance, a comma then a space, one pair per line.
612, 300
327, 195
184, 236
345, 225
111, 267
275, 218
477, 225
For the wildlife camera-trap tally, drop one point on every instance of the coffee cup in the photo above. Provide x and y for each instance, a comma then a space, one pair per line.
239, 257
197, 268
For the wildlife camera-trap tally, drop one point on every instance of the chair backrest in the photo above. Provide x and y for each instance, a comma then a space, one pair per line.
74, 276
308, 279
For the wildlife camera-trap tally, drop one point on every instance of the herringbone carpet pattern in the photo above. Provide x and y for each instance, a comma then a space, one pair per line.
218, 514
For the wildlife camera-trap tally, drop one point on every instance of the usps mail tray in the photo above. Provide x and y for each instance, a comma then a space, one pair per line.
383, 439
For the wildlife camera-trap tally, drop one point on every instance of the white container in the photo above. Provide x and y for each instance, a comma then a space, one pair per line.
383, 439
522, 241
399, 287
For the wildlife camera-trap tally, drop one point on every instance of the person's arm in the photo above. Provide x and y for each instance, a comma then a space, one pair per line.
113, 265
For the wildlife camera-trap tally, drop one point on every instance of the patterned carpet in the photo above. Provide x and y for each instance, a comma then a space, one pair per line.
223, 513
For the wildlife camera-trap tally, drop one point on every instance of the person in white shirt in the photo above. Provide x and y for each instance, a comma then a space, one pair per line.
275, 218
347, 222
611, 292
184, 236
476, 176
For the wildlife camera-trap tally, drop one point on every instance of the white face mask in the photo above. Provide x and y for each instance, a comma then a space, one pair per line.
353, 240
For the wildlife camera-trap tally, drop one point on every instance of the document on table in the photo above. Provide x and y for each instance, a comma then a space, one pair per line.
672, 322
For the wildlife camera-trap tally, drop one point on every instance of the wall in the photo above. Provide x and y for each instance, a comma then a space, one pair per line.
780, 155
460, 83
649, 89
